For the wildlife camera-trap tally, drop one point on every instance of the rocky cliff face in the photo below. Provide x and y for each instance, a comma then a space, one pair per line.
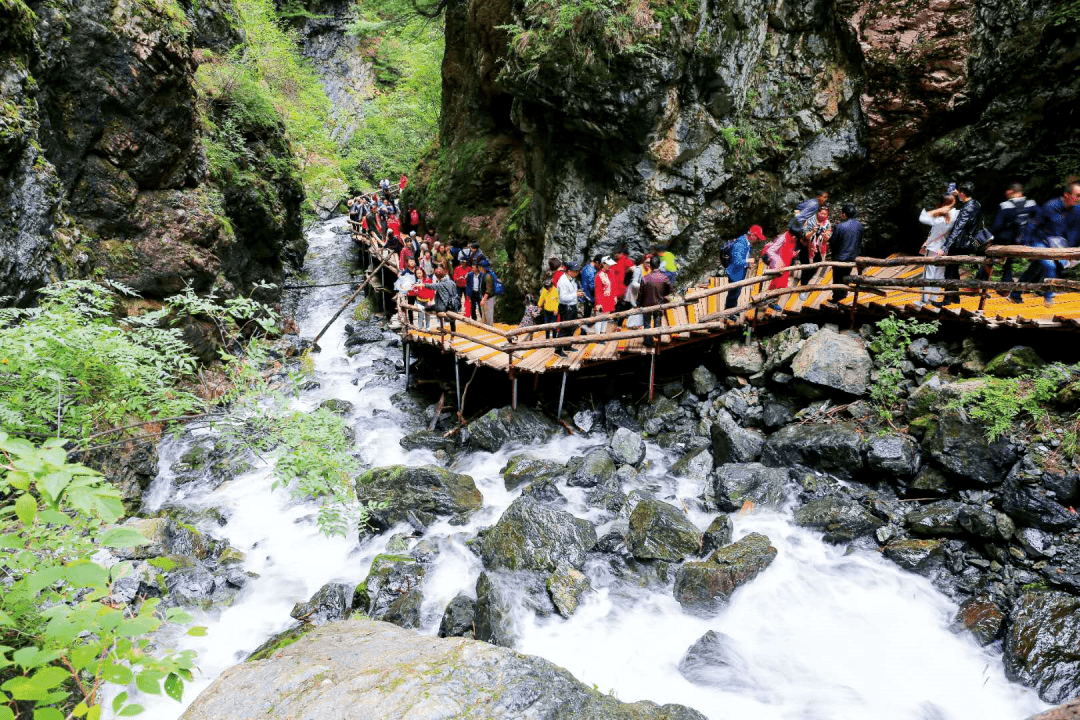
102, 154
682, 122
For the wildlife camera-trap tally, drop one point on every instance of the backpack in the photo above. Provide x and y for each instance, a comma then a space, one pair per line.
455, 301
414, 218
1024, 213
499, 288
726, 251
459, 276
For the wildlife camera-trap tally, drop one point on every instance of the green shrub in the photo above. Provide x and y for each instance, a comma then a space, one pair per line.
1003, 403
62, 639
890, 341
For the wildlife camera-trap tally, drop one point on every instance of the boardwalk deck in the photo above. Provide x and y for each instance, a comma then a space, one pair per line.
697, 311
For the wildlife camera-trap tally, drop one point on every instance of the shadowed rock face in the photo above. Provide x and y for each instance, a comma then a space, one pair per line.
102, 155
737, 110
362, 669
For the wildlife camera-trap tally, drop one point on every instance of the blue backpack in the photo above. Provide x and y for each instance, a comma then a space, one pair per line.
499, 288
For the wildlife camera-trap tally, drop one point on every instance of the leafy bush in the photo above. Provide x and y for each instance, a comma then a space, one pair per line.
63, 638
890, 341
1003, 403
68, 368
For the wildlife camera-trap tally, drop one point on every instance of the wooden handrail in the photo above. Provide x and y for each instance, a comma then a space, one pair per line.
1034, 253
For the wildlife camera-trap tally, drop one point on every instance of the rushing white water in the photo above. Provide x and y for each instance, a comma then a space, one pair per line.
819, 634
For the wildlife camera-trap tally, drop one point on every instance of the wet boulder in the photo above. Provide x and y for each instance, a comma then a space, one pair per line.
417, 494
695, 465
659, 531
191, 587
661, 414
502, 425
1032, 506
712, 660
337, 406
962, 449
494, 618
627, 447
566, 586
701, 587
892, 454
981, 617
1042, 644
524, 469
428, 440
742, 358
364, 335
617, 415
717, 535
732, 443
545, 491
586, 420
836, 449
596, 468
392, 591
1017, 361
781, 348
835, 361
702, 381
330, 603
840, 519
940, 519
532, 536
458, 617
735, 484
922, 557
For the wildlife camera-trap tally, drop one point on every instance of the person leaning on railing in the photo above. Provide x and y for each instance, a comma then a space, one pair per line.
570, 295
940, 220
847, 239
655, 287
960, 240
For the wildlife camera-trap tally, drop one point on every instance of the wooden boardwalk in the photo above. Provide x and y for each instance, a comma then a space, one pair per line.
699, 315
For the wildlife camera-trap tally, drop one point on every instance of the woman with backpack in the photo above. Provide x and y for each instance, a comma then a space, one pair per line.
778, 254
447, 296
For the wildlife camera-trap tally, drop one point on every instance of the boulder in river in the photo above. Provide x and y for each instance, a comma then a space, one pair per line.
392, 591
982, 617
523, 469
962, 448
734, 484
695, 465
732, 443
531, 536
659, 531
703, 586
458, 617
330, 603
502, 425
836, 449
1042, 644
424, 492
566, 586
494, 614
367, 670
627, 447
840, 519
717, 535
596, 468
838, 361
712, 660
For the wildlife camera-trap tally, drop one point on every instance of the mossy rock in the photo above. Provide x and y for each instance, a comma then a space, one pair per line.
1014, 362
422, 493
280, 641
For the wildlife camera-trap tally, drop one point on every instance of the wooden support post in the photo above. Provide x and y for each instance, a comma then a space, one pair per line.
982, 299
652, 374
406, 344
513, 390
562, 394
457, 382
854, 304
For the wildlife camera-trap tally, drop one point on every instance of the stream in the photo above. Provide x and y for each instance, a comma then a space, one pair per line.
821, 634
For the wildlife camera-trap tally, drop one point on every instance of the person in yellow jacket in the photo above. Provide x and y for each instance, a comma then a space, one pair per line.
549, 306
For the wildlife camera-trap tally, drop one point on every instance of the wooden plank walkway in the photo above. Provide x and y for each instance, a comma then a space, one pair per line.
997, 311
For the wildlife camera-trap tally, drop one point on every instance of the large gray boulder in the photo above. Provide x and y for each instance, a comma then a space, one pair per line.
833, 360
962, 448
502, 425
742, 358
841, 520
330, 603
531, 536
1042, 644
392, 591
596, 468
695, 465
364, 670
627, 447
836, 449
734, 484
732, 443
493, 617
712, 660
659, 531
700, 587
1030, 505
892, 454
703, 382
458, 617
417, 494
524, 469
940, 519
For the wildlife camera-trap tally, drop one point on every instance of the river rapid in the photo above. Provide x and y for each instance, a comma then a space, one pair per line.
820, 634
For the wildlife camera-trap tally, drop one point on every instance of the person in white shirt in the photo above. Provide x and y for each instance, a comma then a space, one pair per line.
940, 221
569, 293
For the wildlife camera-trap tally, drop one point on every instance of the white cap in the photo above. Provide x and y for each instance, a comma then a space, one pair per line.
608, 261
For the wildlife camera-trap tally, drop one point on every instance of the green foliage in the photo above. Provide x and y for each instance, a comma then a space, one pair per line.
261, 84
403, 118
68, 368
1065, 13
890, 342
63, 640
1003, 403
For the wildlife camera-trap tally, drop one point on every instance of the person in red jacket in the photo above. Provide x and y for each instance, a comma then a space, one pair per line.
604, 292
402, 182
617, 273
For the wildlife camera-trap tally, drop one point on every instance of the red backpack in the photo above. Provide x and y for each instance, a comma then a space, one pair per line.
460, 273
414, 218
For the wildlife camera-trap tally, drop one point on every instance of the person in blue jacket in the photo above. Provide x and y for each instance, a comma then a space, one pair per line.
1056, 225
740, 260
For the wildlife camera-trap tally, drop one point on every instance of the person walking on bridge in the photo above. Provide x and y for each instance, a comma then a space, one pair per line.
1056, 225
940, 220
847, 239
1012, 217
655, 287
570, 295
960, 240
740, 261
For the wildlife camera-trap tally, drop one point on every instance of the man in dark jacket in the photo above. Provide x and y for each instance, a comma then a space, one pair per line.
446, 296
1012, 216
655, 287
846, 241
1056, 224
958, 242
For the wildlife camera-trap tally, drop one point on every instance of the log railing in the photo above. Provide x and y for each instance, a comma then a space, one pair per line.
507, 341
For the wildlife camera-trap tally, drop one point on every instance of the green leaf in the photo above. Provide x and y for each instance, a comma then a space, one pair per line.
19, 480
177, 615
149, 681
49, 677
174, 687
5, 620
94, 713
54, 483
6, 713
86, 574
197, 631
117, 674
26, 657
48, 714
131, 710
118, 701
122, 537
26, 508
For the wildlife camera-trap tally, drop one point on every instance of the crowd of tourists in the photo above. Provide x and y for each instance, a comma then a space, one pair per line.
438, 276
